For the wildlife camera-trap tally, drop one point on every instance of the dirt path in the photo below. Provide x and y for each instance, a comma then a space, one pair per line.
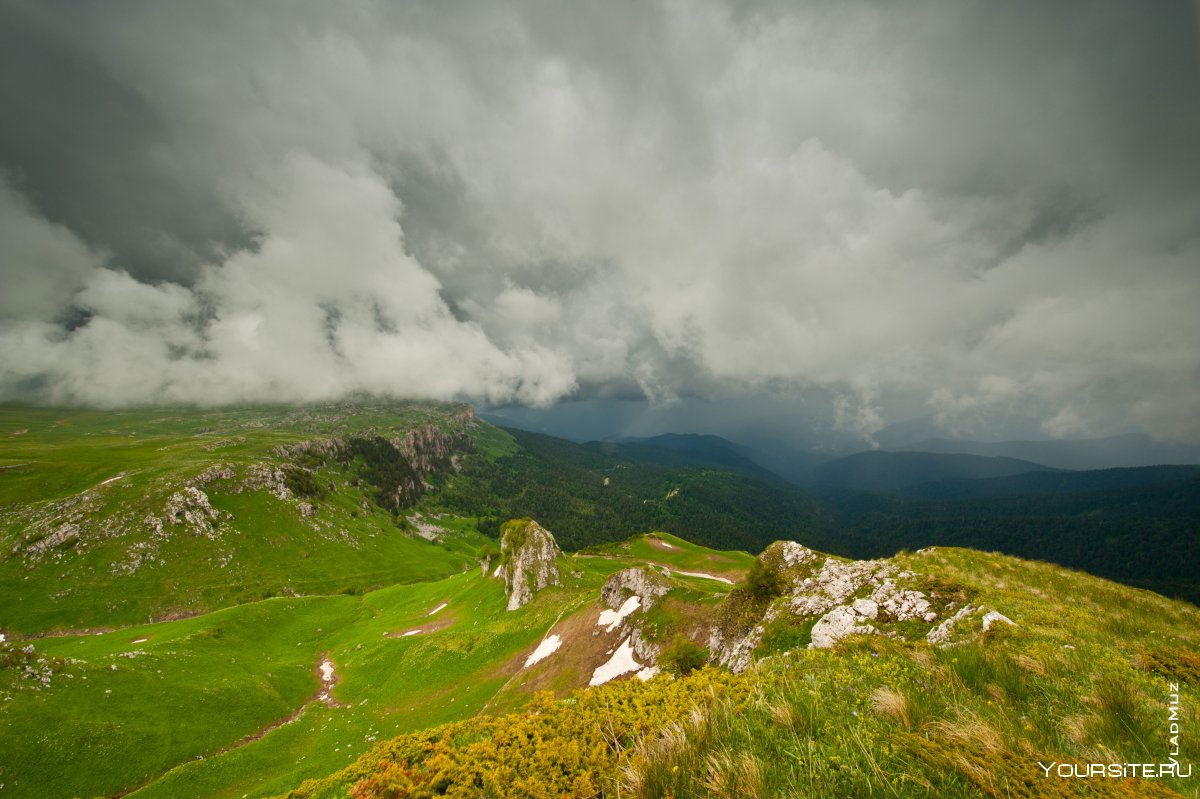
328, 676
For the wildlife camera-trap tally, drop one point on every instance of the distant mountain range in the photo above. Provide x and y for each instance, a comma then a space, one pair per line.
895, 471
1134, 449
686, 449
1057, 482
1135, 524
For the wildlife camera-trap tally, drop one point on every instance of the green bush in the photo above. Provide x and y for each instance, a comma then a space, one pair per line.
682, 656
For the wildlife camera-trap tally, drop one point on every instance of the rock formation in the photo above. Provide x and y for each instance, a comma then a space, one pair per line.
637, 581
838, 597
528, 560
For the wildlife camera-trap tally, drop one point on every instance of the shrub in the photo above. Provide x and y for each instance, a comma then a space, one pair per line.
682, 656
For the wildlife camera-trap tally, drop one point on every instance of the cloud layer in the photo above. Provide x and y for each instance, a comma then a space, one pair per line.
871, 210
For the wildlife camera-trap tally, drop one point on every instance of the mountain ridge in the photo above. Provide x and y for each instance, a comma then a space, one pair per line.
880, 470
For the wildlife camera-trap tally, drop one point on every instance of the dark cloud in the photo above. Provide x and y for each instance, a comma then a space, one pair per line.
847, 213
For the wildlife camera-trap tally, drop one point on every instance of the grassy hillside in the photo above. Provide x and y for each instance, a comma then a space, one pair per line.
120, 517
1084, 675
301, 602
228, 703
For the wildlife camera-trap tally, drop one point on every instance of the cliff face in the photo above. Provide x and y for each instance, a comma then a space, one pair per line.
529, 560
400, 468
430, 449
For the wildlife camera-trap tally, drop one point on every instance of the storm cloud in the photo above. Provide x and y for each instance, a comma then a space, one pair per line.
867, 211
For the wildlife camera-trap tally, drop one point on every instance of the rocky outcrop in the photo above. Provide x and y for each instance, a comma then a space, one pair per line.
637, 581
59, 536
734, 652
838, 597
843, 621
191, 508
270, 478
618, 593
941, 634
528, 560
401, 468
431, 449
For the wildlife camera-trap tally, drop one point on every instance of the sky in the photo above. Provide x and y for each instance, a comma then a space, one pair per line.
820, 218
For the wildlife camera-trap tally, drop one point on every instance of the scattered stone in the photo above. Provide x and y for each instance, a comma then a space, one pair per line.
940, 635
993, 616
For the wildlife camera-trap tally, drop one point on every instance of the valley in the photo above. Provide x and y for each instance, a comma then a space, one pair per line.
351, 601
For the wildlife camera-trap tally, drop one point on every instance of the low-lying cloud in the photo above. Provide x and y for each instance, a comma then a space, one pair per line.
879, 210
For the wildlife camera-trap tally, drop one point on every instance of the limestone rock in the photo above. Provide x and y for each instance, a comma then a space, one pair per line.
266, 477
839, 623
734, 653
902, 604
191, 507
993, 616
844, 598
529, 560
61, 534
835, 583
941, 635
639, 581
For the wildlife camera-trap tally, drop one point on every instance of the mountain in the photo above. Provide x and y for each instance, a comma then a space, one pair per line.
686, 449
924, 675
1137, 526
310, 616
891, 471
1056, 482
595, 494
164, 513
1134, 449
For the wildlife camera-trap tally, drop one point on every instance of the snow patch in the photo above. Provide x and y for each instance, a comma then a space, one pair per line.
545, 649
706, 576
499, 568
622, 662
613, 618
647, 673
409, 632
439, 607
138, 641
327, 681
665, 544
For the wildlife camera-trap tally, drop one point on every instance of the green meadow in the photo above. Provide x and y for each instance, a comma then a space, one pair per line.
316, 642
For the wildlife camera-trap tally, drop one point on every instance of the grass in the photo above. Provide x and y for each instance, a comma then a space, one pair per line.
890, 718
238, 670
66, 462
230, 673
1081, 678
